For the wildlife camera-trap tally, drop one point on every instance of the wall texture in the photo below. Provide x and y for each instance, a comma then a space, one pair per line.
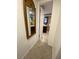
55, 31
41, 22
54, 21
56, 52
59, 55
24, 45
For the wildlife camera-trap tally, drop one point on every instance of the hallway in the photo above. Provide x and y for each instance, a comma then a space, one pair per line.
41, 50
38, 29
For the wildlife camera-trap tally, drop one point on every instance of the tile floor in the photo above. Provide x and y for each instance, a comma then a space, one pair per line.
40, 51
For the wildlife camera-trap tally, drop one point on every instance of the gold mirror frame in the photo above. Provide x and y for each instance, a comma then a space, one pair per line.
29, 4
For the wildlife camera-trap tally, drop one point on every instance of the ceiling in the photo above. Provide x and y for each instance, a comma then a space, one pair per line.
43, 1
47, 6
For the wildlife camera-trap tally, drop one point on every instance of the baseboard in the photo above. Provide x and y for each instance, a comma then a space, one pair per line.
29, 49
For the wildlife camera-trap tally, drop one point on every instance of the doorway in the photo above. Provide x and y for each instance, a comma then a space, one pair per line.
45, 18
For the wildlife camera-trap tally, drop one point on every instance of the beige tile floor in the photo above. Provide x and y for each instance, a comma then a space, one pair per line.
40, 51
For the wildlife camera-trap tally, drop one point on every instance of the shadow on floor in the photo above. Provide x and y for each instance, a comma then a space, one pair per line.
41, 50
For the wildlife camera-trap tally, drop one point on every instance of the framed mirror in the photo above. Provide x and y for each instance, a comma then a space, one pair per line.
30, 17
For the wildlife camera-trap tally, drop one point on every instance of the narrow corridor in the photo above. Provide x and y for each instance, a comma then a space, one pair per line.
41, 50
38, 30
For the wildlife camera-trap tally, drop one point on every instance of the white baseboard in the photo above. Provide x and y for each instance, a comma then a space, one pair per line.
27, 51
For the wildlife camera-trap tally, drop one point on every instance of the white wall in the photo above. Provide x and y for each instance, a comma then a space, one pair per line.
54, 21
54, 33
57, 41
59, 55
24, 45
41, 22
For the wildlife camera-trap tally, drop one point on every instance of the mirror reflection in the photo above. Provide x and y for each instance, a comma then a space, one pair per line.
30, 18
